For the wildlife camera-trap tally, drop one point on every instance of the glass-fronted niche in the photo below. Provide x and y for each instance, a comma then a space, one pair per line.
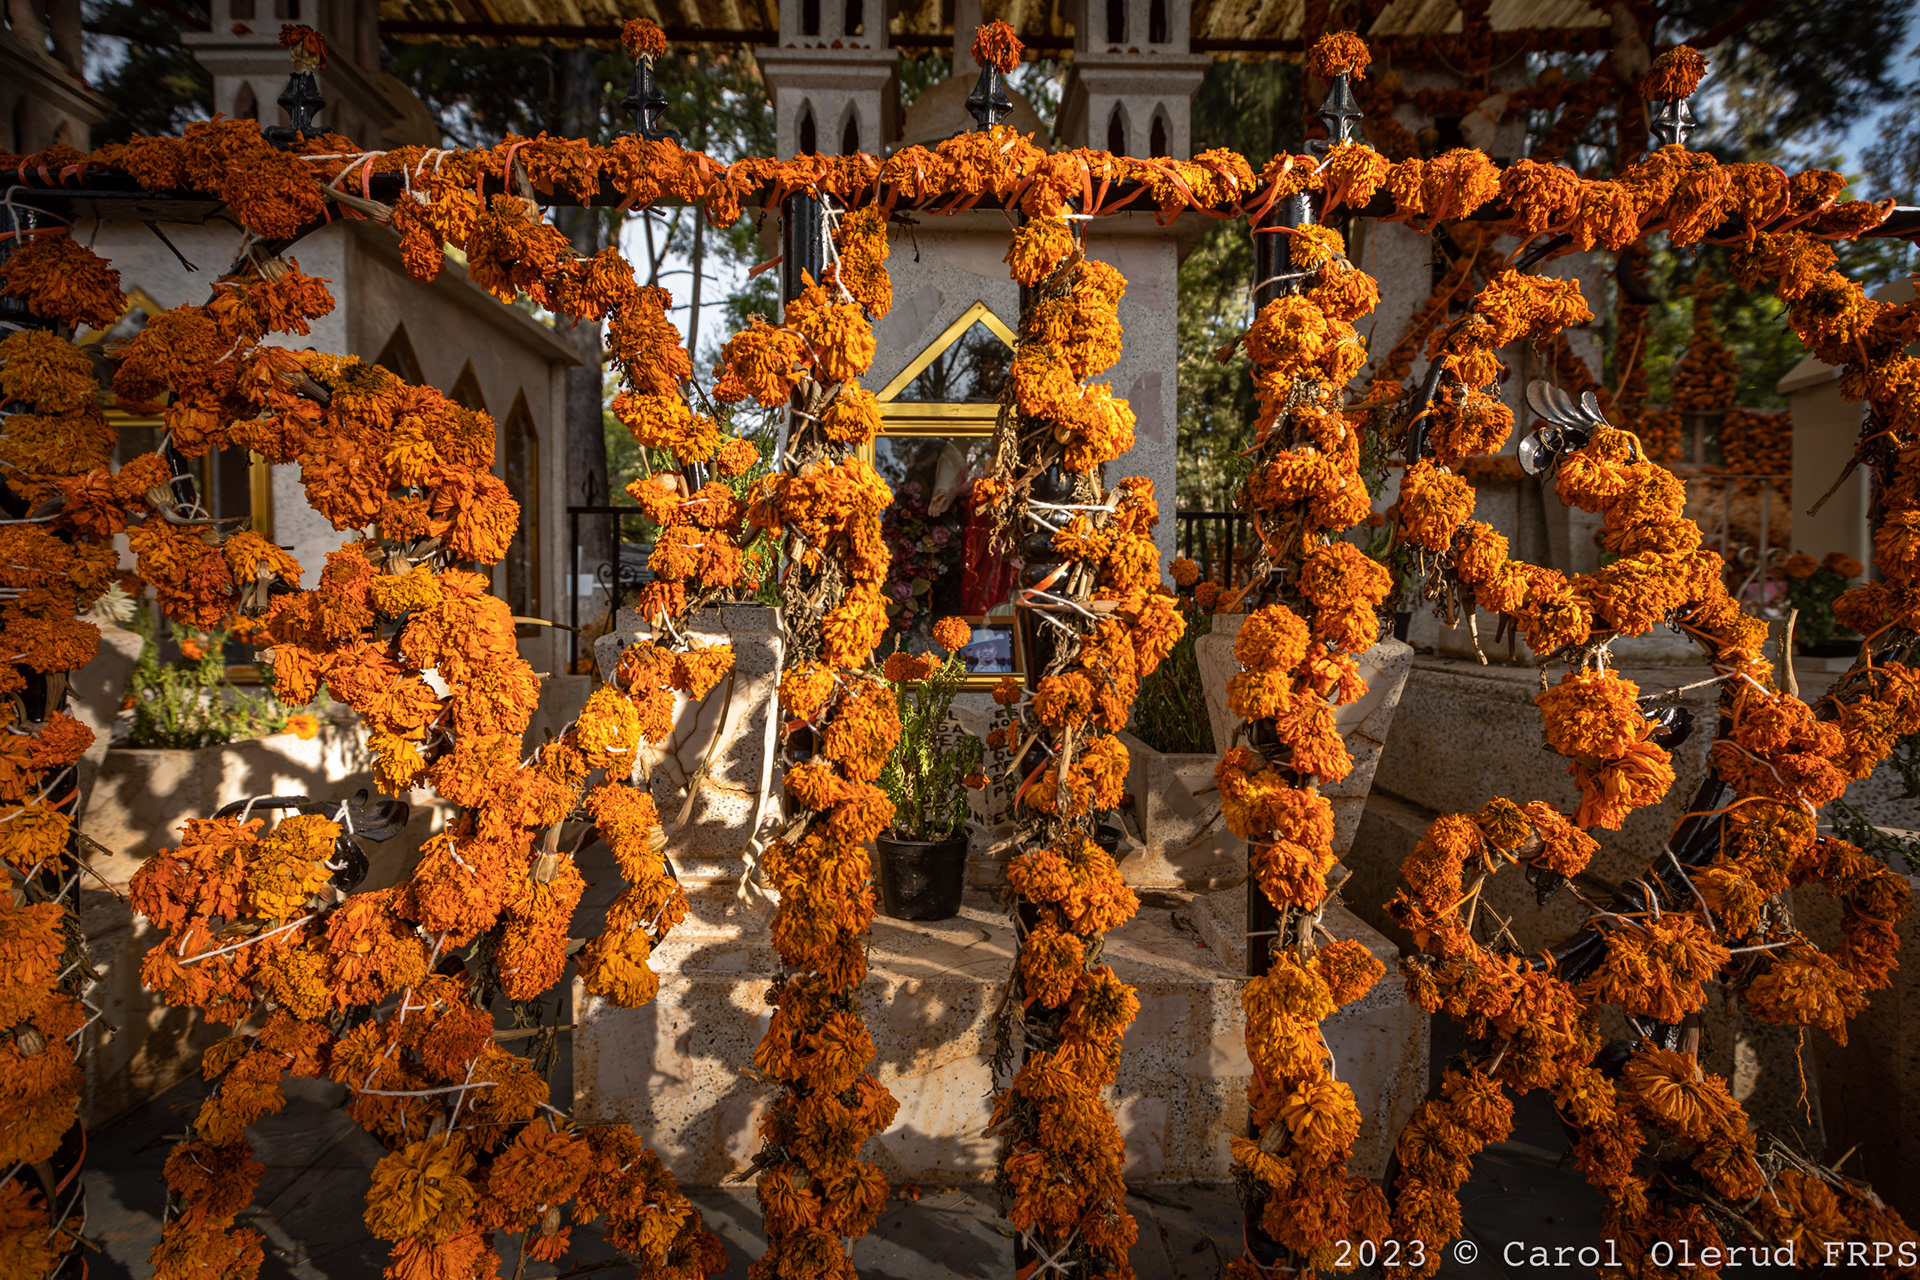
936, 441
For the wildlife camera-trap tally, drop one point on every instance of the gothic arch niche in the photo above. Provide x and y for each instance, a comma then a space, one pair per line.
520, 471
853, 19
937, 417
1159, 135
850, 132
466, 391
234, 482
397, 358
1117, 130
1117, 23
809, 17
246, 103
807, 140
1157, 31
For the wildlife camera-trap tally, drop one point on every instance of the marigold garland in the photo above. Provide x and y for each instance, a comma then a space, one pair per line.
1096, 619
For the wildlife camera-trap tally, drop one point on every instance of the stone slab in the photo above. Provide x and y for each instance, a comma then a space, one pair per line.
714, 781
142, 795
1869, 1089
1363, 725
1182, 842
1380, 1042
138, 803
1465, 734
677, 1068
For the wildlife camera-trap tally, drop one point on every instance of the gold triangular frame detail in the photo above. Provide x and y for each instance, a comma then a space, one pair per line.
978, 313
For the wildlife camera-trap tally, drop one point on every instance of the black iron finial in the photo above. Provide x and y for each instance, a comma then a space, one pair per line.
1341, 115
301, 101
647, 105
1672, 121
989, 104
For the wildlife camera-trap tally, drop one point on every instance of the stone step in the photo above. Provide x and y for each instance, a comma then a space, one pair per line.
679, 1069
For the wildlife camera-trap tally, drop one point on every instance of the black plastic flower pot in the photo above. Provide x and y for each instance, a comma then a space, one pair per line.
920, 879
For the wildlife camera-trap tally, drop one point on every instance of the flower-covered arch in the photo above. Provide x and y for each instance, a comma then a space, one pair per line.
389, 993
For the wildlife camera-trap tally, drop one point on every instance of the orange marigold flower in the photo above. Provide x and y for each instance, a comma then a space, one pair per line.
838, 339
1273, 639
952, 633
1655, 968
1676, 74
1038, 248
1803, 986
1677, 1095
61, 279
995, 45
1843, 564
735, 457
1614, 788
1564, 848
642, 38
1593, 714
1348, 968
374, 951
853, 416
1339, 53
307, 47
1433, 504
291, 866
422, 1190
759, 361
902, 667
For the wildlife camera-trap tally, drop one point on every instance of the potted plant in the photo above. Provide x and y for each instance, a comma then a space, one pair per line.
188, 702
1812, 587
189, 740
921, 860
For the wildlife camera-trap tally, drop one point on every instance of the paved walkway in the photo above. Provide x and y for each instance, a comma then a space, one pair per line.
310, 1201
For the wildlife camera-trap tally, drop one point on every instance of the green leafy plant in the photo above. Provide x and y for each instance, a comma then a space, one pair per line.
1899, 851
926, 775
1170, 713
1812, 587
189, 702
1851, 824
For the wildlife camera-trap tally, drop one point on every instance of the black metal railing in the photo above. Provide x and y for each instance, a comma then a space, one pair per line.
1220, 542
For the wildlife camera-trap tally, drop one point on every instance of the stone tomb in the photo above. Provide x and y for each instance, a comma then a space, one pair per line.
679, 1069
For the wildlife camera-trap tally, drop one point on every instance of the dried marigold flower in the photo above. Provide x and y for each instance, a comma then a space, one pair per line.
642, 38
1339, 53
422, 1190
307, 47
995, 45
1593, 714
61, 279
1273, 639
1038, 248
1676, 74
1671, 1088
1433, 504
